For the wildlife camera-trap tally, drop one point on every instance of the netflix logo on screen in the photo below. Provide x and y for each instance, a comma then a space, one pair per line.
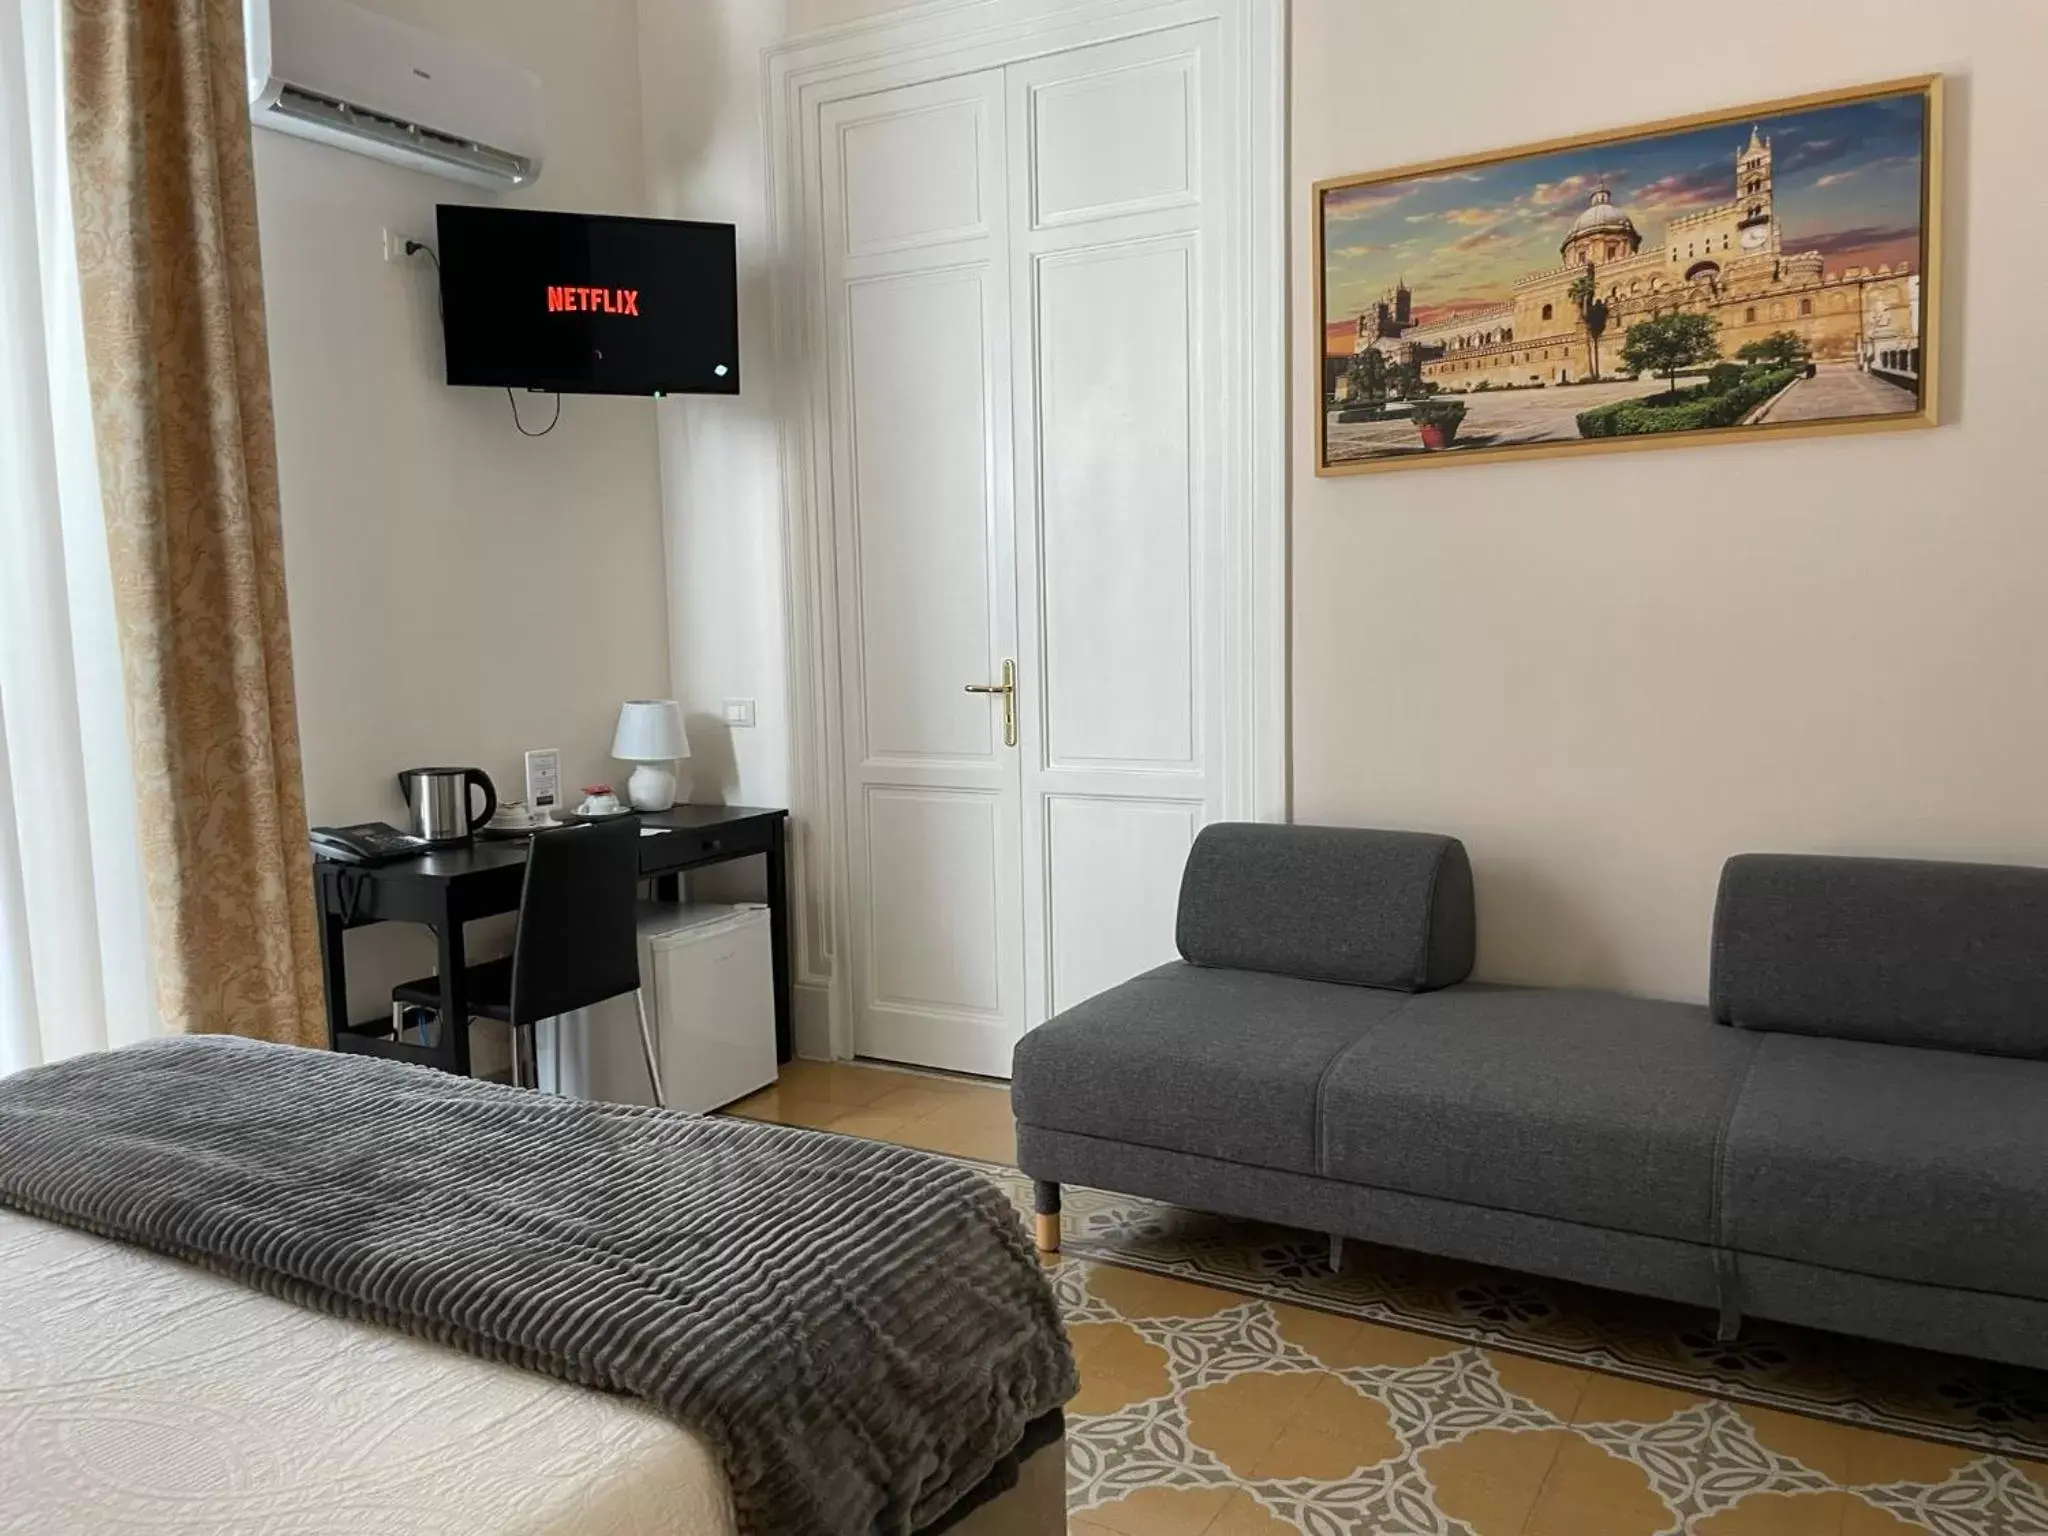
602, 301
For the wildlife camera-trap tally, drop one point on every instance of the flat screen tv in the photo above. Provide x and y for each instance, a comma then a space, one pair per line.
588, 304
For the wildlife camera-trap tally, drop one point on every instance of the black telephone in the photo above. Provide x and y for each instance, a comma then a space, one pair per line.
367, 842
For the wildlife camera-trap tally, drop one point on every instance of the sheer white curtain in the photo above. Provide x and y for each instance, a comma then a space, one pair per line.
74, 952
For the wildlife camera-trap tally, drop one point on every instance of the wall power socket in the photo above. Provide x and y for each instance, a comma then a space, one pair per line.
394, 246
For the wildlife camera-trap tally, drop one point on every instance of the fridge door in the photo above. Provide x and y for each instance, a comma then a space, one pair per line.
704, 971
710, 992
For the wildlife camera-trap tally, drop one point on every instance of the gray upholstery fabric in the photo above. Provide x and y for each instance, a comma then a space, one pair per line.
1929, 1166
1891, 950
1623, 1261
1224, 1063
1930, 1317
1373, 909
1584, 1106
2009, 1328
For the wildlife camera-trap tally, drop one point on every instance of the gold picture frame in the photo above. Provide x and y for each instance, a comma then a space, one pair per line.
1806, 320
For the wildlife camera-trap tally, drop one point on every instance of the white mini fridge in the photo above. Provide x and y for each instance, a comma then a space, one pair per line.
710, 990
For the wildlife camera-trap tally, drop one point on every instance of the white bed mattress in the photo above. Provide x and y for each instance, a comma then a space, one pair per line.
138, 1394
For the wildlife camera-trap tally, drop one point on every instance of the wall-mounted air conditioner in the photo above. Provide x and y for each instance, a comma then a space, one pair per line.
341, 75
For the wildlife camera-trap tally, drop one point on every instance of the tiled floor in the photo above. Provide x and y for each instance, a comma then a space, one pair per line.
941, 1114
1202, 1410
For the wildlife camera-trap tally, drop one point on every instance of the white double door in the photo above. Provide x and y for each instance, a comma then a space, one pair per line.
1026, 326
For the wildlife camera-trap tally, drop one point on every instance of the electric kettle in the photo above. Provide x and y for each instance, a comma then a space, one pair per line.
439, 801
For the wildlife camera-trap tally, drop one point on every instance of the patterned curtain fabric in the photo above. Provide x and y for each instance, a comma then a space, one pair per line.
164, 198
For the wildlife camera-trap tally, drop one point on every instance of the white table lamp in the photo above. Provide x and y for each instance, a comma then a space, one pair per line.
650, 736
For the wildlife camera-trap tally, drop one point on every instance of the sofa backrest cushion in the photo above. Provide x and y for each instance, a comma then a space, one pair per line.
1898, 951
1372, 909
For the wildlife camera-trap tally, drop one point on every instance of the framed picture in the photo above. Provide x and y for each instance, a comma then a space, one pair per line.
1768, 270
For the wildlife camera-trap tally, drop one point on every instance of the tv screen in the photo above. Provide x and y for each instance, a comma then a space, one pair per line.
588, 304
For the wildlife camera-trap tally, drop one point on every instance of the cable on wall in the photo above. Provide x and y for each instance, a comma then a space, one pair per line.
421, 248
544, 431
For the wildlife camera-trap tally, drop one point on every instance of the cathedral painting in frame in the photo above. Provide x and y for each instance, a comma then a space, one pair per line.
1766, 270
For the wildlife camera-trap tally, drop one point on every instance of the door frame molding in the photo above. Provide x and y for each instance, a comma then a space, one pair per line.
932, 41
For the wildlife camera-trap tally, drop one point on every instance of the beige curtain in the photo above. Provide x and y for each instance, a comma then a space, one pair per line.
163, 190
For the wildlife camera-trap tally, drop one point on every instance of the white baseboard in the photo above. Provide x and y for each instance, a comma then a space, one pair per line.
811, 1021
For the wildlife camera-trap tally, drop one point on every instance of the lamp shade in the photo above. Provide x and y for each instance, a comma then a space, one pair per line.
650, 731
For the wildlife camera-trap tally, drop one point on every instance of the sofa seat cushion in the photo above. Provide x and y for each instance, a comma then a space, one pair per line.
1582, 1106
1219, 1063
1928, 1166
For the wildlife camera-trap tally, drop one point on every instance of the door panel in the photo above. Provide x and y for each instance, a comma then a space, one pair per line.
934, 864
1116, 555
920, 472
1106, 142
1116, 211
914, 176
918, 318
1110, 858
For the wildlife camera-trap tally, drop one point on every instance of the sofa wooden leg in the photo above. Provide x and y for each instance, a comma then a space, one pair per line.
1045, 1200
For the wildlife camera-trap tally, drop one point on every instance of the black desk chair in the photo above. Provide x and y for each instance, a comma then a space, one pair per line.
577, 943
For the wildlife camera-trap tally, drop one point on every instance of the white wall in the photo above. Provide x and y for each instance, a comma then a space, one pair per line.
1607, 674
706, 157
458, 593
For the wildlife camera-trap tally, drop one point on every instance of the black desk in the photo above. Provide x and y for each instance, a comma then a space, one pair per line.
452, 886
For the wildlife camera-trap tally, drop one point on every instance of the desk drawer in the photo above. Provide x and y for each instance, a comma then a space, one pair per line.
684, 846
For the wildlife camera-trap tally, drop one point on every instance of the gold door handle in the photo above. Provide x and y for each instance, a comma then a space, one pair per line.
1008, 689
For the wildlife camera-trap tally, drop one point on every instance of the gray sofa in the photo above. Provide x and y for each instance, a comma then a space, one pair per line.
1852, 1134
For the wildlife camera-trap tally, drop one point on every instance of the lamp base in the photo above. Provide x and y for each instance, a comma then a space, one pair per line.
652, 787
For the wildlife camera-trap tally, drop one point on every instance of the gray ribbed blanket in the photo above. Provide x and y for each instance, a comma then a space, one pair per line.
861, 1331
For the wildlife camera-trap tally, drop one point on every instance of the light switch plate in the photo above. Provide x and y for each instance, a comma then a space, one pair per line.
739, 712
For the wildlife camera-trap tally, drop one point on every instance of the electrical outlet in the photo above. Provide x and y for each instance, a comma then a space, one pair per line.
394, 246
739, 712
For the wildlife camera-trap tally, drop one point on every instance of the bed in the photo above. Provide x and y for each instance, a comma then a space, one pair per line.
142, 1393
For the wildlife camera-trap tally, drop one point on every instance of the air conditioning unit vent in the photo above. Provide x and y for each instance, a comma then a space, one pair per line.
340, 75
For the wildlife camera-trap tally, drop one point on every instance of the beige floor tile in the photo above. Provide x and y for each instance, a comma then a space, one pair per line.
1878, 1458
972, 1136
1161, 1511
920, 1096
1590, 1493
836, 1082
1334, 1433
1238, 1420
1611, 1400
1490, 1479
1784, 1514
744, 1107
777, 1106
1137, 1294
1243, 1515
1344, 1343
874, 1124
768, 1105
1861, 1519
1557, 1389
1118, 1367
